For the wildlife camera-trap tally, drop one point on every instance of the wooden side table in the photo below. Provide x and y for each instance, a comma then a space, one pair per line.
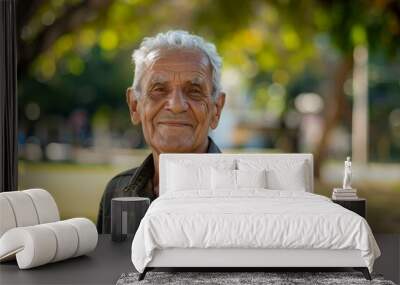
358, 206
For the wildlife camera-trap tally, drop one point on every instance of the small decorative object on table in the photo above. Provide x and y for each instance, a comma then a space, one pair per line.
347, 192
126, 214
347, 196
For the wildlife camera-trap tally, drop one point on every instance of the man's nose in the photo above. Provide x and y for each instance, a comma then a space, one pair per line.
177, 102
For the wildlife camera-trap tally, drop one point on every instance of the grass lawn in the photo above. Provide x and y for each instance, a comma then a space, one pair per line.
77, 189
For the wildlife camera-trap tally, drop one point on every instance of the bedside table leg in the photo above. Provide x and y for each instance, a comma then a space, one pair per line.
143, 274
364, 271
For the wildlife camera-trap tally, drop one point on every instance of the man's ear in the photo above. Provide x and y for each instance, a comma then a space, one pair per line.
218, 106
133, 103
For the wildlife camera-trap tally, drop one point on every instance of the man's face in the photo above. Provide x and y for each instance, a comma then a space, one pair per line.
175, 107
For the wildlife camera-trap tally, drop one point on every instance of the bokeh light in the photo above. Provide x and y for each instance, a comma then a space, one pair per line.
309, 103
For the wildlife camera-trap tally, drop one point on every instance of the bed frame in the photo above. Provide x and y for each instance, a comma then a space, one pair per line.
245, 259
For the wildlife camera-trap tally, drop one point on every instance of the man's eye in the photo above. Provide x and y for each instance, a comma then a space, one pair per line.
159, 89
157, 93
195, 92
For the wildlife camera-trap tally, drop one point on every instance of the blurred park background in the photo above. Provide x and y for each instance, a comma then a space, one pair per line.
300, 76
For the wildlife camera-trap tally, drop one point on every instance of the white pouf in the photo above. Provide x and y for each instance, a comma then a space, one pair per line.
40, 244
31, 230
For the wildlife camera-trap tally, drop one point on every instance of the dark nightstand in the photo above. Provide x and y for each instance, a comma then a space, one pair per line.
358, 206
126, 214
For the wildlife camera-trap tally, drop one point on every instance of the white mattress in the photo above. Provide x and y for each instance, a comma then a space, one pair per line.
253, 218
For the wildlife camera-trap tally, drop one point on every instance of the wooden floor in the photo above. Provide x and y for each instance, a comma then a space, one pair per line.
106, 264
389, 262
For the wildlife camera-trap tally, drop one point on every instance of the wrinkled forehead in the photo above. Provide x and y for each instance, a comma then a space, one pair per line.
165, 65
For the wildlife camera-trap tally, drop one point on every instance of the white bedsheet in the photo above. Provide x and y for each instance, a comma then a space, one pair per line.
250, 219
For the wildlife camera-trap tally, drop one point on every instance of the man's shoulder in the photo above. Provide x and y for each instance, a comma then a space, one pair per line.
125, 173
123, 176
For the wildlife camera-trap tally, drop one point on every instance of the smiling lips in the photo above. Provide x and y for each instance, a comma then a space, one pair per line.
176, 123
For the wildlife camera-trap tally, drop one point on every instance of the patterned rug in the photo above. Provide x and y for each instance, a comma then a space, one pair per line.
230, 278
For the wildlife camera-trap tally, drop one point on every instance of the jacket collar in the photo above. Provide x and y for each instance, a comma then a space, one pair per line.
145, 171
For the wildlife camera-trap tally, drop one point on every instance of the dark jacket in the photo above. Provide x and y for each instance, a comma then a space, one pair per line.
133, 182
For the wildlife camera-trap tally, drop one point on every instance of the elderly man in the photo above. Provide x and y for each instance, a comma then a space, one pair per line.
176, 96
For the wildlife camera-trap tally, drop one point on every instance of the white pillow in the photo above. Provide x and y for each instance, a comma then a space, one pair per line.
228, 179
251, 178
294, 180
223, 179
184, 177
282, 174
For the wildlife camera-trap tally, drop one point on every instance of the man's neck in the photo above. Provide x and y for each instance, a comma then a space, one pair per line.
156, 155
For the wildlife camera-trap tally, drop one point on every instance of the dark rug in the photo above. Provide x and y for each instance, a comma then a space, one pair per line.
228, 278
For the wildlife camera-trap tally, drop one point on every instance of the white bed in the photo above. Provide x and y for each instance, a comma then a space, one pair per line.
202, 220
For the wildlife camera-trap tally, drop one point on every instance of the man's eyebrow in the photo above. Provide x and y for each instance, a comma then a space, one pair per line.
196, 81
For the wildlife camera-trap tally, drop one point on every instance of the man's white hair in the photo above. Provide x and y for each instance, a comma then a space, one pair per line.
176, 39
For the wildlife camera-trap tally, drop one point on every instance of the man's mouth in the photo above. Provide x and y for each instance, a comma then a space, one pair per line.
175, 123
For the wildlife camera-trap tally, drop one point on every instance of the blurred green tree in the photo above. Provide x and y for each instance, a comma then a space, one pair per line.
279, 40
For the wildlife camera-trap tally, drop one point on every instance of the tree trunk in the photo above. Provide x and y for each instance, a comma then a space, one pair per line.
334, 110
